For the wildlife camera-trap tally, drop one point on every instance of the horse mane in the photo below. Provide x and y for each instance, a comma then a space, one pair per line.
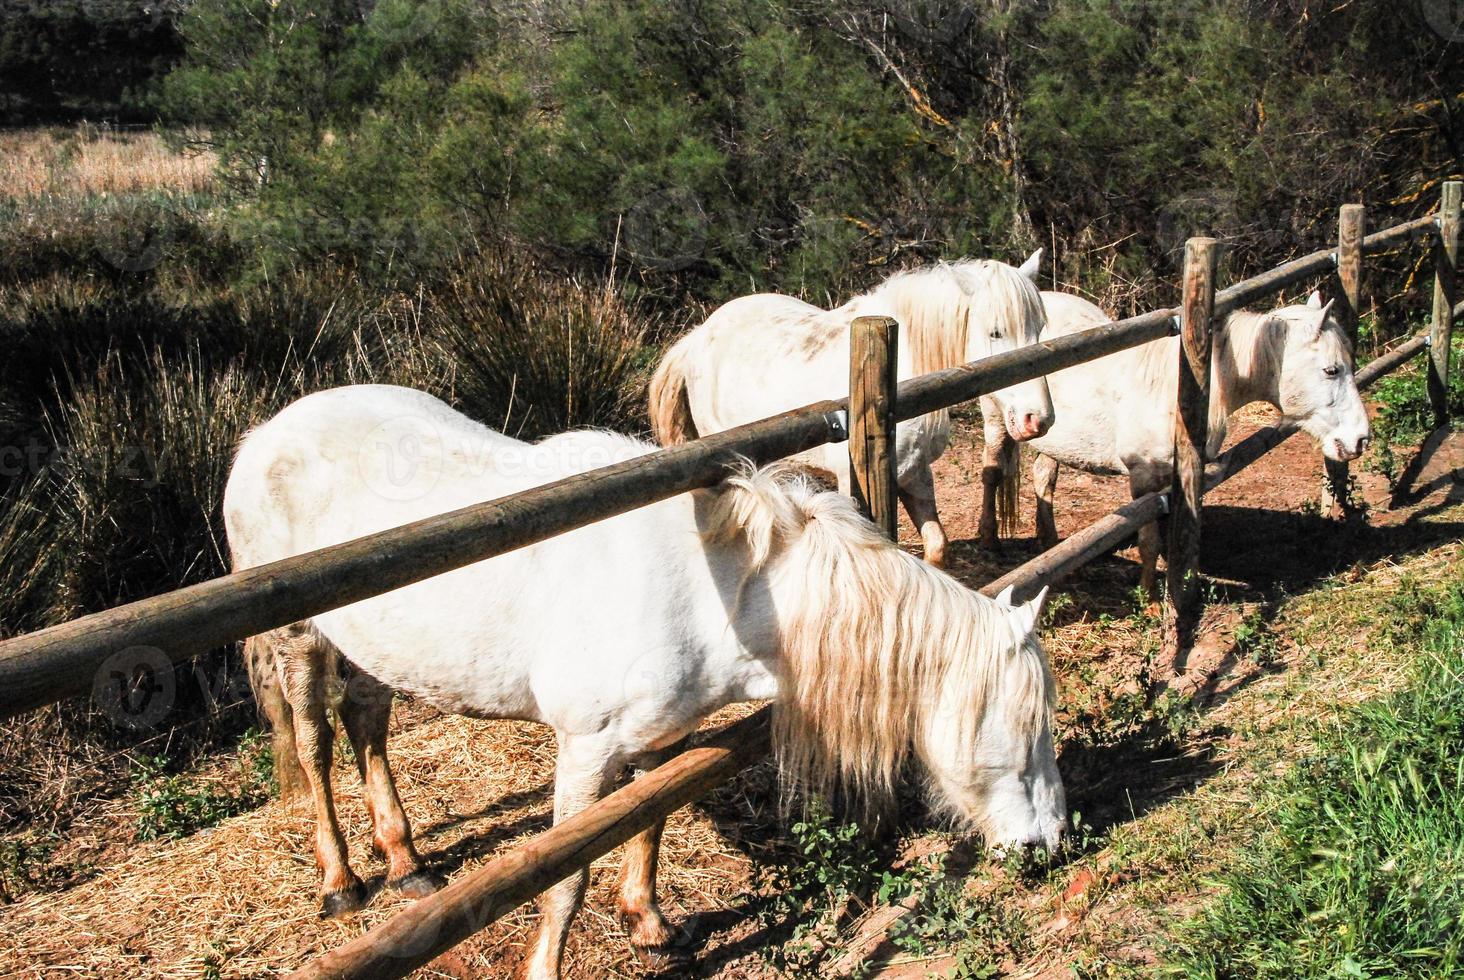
1244, 339
941, 304
1252, 345
875, 645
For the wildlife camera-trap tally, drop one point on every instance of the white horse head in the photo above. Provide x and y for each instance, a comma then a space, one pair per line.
1315, 385
1006, 782
956, 679
1003, 312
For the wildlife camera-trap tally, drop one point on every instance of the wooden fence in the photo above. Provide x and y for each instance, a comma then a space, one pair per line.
62, 661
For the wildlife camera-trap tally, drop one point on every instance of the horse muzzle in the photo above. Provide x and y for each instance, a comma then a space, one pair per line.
1347, 450
1031, 425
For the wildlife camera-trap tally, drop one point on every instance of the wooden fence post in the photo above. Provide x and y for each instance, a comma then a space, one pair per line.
1446, 262
1351, 229
1191, 430
873, 359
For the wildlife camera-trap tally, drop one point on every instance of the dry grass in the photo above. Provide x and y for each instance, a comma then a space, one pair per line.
243, 895
88, 161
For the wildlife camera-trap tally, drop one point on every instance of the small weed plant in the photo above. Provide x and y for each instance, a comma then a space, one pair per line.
176, 805
829, 869
1404, 415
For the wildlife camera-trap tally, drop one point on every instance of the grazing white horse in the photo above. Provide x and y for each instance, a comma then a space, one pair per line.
625, 634
1115, 415
760, 355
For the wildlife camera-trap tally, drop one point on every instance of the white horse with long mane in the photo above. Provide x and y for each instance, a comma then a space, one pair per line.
625, 634
760, 355
1115, 415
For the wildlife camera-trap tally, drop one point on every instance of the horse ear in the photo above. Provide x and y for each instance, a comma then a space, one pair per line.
1314, 301
1322, 316
1032, 266
1028, 613
1006, 596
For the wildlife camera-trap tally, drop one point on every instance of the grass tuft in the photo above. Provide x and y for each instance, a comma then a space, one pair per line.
1361, 870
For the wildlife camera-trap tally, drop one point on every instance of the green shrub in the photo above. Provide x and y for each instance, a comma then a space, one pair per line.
1404, 413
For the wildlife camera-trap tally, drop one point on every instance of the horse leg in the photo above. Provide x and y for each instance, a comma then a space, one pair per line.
650, 936
1142, 481
918, 496
366, 712
1148, 561
1044, 474
302, 663
582, 774
994, 437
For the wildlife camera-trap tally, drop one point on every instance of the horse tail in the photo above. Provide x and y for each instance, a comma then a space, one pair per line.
1008, 491
276, 713
670, 407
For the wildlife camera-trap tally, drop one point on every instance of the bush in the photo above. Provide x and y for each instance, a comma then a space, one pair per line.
535, 355
1404, 413
732, 146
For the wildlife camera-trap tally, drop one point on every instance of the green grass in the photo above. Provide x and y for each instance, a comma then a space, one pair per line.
178, 805
1360, 870
1404, 416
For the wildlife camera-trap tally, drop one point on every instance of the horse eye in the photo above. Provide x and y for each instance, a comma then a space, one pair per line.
1332, 371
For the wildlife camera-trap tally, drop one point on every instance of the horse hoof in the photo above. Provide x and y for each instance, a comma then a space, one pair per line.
350, 899
663, 958
418, 884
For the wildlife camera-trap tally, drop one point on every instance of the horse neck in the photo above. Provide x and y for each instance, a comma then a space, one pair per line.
1245, 362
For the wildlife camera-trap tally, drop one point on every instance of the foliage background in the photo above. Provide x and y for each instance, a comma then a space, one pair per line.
717, 146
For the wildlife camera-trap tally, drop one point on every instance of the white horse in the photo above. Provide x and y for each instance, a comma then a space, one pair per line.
1115, 415
625, 634
760, 355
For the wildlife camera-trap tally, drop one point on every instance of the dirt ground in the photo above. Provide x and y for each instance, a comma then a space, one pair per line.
239, 900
